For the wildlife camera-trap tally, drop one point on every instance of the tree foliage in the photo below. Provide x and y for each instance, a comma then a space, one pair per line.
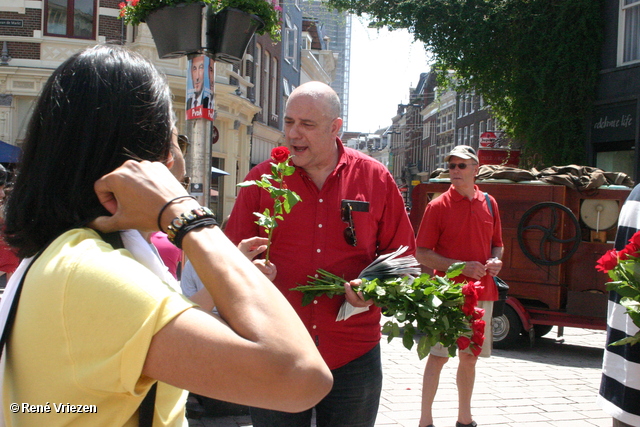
534, 61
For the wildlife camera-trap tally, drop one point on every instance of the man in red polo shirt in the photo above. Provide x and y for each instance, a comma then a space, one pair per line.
316, 235
459, 225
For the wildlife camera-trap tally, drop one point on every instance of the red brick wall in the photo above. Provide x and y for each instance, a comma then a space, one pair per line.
23, 50
111, 28
30, 22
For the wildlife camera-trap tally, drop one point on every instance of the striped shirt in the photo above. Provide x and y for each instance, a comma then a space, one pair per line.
620, 384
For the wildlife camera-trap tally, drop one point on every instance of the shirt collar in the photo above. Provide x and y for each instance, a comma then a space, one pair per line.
477, 195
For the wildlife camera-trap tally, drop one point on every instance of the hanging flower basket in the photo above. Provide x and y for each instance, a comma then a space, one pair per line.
229, 32
177, 30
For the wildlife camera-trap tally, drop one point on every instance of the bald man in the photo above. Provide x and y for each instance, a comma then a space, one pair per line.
351, 212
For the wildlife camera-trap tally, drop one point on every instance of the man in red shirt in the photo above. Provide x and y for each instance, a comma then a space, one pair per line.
317, 235
459, 226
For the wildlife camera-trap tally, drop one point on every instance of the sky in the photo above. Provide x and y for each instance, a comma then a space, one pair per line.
384, 65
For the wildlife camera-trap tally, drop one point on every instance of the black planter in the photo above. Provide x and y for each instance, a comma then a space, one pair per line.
229, 32
177, 30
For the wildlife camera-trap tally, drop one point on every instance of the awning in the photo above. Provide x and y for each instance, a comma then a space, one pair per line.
9, 153
215, 172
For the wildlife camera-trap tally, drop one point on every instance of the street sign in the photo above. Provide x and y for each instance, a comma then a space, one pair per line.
488, 139
214, 135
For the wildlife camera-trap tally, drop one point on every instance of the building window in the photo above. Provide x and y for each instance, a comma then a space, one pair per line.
290, 41
258, 75
630, 27
274, 85
267, 90
70, 18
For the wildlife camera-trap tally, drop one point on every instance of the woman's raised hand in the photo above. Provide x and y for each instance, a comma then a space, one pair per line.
135, 193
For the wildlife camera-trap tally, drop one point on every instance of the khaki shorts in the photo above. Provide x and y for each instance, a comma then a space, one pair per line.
442, 351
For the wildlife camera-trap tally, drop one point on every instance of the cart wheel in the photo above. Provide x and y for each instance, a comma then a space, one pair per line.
506, 328
549, 231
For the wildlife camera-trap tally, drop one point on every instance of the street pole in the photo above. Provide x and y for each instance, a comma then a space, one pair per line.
199, 129
198, 160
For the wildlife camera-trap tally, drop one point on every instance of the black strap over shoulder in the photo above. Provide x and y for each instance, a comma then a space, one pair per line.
146, 409
145, 412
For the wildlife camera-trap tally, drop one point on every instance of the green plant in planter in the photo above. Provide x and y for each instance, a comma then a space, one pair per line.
136, 11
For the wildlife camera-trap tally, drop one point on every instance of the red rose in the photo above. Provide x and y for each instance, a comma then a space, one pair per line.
468, 308
478, 337
463, 342
635, 240
477, 313
469, 290
280, 154
607, 261
476, 350
478, 325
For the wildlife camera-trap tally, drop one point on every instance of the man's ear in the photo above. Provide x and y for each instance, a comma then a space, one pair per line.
336, 125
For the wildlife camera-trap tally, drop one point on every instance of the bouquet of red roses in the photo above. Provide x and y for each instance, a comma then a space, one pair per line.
441, 310
623, 268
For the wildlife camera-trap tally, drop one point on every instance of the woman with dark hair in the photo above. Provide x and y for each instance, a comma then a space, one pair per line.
95, 326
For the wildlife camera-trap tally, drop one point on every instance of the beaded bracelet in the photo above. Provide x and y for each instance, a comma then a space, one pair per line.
187, 221
166, 205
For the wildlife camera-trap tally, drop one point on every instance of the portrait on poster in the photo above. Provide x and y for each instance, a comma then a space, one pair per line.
200, 80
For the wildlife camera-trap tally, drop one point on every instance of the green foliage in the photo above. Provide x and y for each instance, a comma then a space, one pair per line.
426, 305
534, 61
136, 11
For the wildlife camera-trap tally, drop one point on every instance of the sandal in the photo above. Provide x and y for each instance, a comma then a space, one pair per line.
471, 424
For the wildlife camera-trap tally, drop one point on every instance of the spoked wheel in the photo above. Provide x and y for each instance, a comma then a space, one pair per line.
554, 229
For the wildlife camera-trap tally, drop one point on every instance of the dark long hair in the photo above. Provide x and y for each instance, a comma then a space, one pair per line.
101, 107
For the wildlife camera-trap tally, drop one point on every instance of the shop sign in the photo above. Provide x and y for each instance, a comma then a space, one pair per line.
614, 123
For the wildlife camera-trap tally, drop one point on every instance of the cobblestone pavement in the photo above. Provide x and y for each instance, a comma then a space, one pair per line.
554, 383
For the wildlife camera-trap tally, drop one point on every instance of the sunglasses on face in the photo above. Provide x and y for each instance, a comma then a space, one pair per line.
183, 143
461, 166
349, 232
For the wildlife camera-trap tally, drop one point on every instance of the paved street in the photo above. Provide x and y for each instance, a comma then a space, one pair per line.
551, 384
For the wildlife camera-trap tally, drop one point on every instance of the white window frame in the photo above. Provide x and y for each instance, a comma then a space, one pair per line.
629, 14
258, 75
274, 86
267, 89
290, 42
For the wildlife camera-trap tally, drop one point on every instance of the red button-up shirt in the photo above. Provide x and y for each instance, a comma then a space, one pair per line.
311, 237
456, 227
